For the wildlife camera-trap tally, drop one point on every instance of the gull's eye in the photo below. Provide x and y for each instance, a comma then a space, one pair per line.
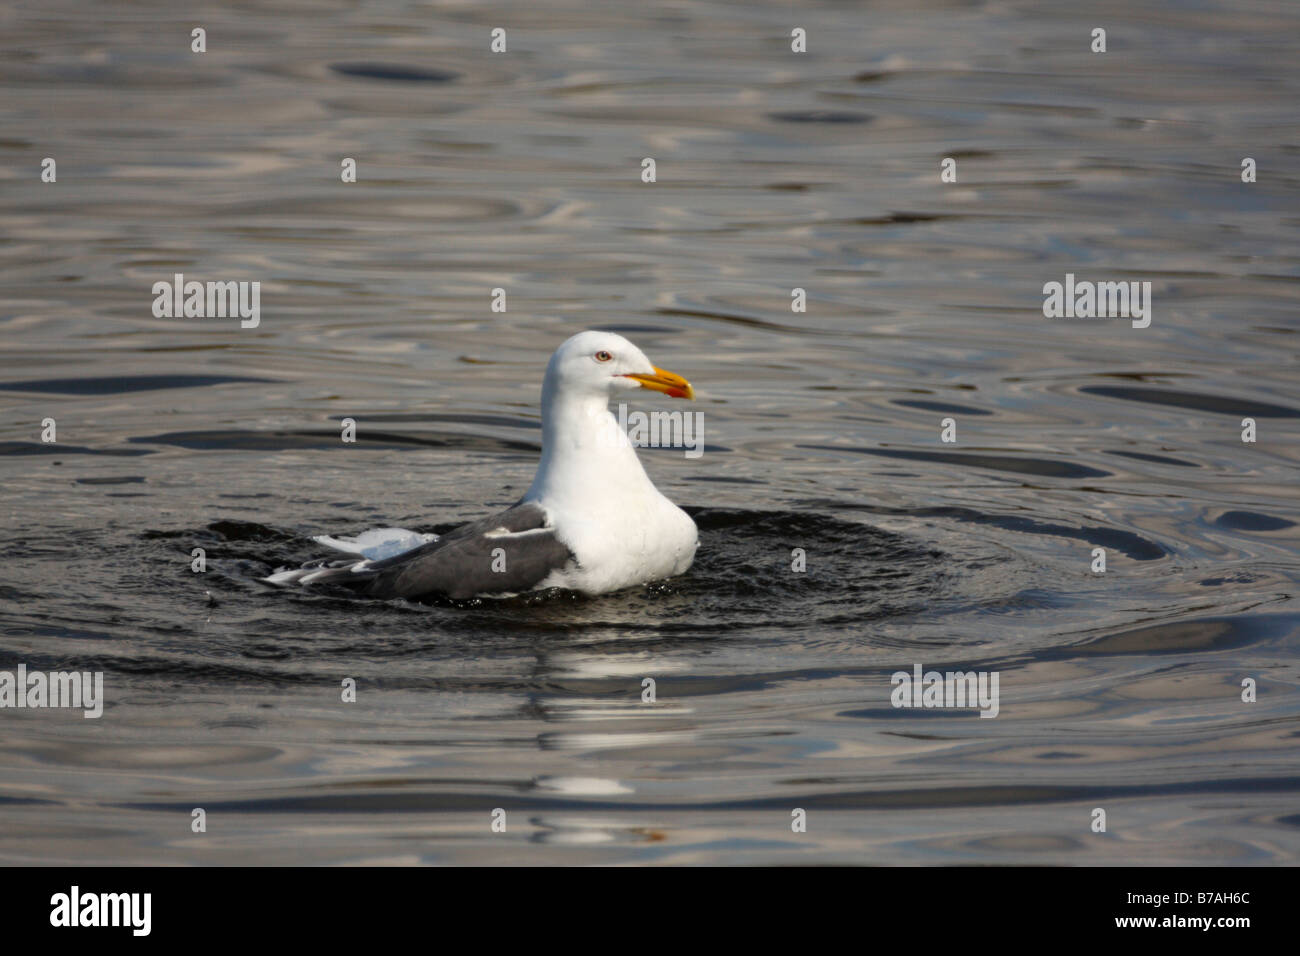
603, 356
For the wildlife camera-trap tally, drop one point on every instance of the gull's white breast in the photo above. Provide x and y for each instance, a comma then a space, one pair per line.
635, 540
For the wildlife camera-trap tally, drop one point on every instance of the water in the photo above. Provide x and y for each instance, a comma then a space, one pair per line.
521, 171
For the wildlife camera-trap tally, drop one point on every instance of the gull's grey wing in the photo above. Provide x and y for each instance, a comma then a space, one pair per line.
466, 561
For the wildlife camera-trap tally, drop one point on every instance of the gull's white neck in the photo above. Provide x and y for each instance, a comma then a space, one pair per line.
587, 461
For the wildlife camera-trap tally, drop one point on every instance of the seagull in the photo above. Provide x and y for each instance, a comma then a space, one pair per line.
592, 521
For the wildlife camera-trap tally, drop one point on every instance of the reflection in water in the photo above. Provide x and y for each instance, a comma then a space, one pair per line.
841, 538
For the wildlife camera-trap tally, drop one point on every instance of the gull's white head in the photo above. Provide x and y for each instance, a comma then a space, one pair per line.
597, 364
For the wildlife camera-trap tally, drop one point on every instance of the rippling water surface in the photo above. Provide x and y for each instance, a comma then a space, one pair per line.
775, 170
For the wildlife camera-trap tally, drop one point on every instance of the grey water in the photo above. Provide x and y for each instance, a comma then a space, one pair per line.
1120, 690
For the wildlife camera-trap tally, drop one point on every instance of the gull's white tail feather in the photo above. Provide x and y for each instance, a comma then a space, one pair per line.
378, 543
374, 545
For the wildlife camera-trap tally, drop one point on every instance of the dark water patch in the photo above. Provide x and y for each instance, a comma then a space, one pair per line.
742, 320
1140, 376
59, 448
379, 797
114, 385
743, 568
1192, 636
10, 593
1251, 521
394, 72
8, 801
904, 218
463, 419
915, 713
225, 530
1218, 404
110, 480
1155, 459
1042, 467
679, 450
834, 117
1125, 542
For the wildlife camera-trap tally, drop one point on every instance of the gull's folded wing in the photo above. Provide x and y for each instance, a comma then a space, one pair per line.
505, 553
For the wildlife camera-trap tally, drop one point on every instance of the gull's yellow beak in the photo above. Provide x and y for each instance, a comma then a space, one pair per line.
670, 383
